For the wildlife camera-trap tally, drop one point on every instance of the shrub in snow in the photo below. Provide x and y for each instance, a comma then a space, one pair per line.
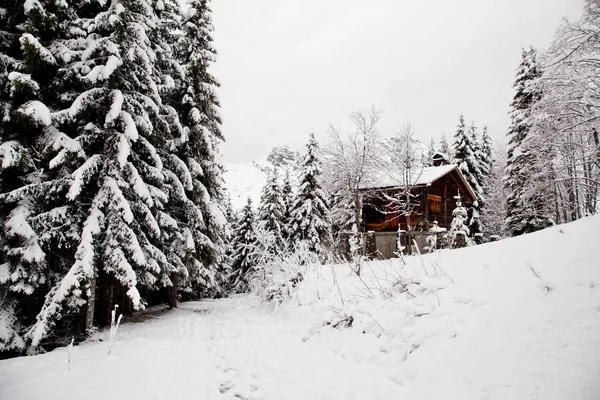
458, 229
474, 220
275, 277
114, 326
438, 238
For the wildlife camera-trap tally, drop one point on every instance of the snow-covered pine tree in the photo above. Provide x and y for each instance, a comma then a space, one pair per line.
230, 215
244, 247
310, 221
474, 220
525, 212
232, 219
465, 156
195, 158
444, 146
271, 213
117, 118
287, 195
486, 154
458, 228
430, 153
29, 57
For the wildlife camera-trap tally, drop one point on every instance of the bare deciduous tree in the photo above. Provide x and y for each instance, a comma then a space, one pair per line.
351, 159
565, 120
404, 167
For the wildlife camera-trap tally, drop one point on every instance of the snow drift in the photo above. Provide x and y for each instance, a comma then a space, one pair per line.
517, 319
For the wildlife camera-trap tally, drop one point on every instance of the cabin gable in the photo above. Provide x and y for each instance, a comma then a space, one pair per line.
429, 201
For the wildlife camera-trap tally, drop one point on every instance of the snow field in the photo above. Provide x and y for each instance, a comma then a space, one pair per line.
517, 319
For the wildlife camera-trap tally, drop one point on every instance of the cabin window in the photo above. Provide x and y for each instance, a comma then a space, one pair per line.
373, 214
435, 204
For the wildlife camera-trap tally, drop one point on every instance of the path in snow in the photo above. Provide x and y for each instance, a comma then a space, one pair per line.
227, 349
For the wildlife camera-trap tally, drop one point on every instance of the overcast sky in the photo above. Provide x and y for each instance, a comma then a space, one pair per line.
289, 67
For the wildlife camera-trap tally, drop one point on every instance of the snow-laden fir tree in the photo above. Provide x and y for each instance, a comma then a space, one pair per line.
287, 195
271, 213
474, 219
117, 109
465, 156
430, 153
485, 154
195, 157
444, 146
310, 220
117, 119
244, 247
525, 210
32, 33
232, 221
458, 229
487, 146
120, 182
230, 215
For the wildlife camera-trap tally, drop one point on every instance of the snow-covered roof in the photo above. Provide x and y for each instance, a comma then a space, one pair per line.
423, 177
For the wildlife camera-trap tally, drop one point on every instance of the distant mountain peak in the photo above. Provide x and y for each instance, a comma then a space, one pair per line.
245, 180
284, 157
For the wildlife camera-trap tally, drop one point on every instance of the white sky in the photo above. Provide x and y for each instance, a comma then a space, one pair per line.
290, 67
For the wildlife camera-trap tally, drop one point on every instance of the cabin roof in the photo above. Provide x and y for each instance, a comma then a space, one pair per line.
424, 177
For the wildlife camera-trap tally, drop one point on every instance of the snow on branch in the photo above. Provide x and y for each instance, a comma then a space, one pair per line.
82, 271
36, 111
83, 175
11, 154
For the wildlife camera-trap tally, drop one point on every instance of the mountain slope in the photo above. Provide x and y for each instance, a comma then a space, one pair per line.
247, 179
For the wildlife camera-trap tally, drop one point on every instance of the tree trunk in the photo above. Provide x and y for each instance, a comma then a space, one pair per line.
358, 225
109, 299
597, 143
91, 300
127, 303
357, 211
173, 292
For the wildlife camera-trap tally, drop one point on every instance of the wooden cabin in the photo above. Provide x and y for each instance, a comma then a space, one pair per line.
433, 197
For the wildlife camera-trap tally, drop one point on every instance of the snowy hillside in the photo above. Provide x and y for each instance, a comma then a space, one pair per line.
515, 319
247, 179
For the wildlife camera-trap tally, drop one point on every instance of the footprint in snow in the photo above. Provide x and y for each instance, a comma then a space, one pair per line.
226, 386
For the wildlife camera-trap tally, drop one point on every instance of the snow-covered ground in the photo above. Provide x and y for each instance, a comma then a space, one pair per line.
517, 319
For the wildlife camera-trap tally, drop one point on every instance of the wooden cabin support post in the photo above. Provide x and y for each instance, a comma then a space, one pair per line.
426, 208
445, 201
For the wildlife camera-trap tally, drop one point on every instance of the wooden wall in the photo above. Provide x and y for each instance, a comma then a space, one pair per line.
435, 203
